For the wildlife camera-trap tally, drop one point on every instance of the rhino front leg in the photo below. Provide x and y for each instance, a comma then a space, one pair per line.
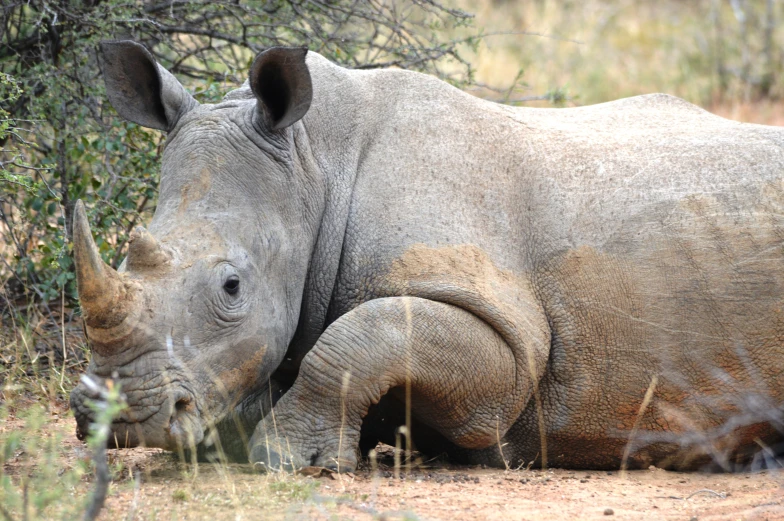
465, 380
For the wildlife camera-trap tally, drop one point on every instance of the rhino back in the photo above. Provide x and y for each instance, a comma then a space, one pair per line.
440, 167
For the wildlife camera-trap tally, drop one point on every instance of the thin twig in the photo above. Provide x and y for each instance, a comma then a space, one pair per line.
722, 495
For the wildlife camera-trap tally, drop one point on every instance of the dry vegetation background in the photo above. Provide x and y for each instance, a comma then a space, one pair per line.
724, 55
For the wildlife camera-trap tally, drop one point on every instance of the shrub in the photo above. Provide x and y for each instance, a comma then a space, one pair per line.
61, 141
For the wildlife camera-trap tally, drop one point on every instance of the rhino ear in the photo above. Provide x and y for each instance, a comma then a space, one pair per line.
281, 82
139, 89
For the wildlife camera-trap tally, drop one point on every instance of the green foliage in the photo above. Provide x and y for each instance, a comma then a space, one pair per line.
62, 142
558, 96
38, 470
9, 93
35, 473
290, 489
180, 495
105, 411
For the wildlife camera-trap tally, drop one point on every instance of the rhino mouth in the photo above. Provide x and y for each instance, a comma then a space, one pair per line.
173, 424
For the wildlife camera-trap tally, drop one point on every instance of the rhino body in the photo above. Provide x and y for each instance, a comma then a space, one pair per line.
583, 287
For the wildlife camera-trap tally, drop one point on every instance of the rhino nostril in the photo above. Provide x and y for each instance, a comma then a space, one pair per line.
183, 405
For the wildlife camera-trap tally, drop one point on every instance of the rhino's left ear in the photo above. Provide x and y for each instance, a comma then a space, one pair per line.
280, 79
140, 89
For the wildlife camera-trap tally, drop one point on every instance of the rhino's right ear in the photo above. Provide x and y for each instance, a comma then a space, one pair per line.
139, 89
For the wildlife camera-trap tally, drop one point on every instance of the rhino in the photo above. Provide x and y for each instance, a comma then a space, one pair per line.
341, 257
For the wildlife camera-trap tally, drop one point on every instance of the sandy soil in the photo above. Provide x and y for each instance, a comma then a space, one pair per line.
151, 484
446, 493
442, 492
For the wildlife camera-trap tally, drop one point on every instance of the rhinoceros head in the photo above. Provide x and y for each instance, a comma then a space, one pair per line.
206, 302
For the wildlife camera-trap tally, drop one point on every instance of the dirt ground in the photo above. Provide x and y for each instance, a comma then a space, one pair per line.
151, 484
443, 492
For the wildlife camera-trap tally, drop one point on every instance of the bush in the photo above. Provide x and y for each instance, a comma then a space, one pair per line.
61, 141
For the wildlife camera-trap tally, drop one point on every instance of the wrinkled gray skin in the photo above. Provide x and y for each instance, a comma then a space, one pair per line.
549, 284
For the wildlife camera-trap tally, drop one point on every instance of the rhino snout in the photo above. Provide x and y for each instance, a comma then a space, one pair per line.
174, 423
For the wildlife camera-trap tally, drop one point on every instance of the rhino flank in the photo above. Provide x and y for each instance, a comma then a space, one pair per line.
567, 286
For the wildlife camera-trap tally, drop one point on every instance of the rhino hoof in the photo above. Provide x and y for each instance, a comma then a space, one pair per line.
271, 461
341, 465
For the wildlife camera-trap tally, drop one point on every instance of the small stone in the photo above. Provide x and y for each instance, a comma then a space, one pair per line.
608, 511
694, 518
583, 481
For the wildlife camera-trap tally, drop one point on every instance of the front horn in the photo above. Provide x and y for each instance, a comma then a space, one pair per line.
105, 298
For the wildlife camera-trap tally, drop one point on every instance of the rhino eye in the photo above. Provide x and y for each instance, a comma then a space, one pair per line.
232, 285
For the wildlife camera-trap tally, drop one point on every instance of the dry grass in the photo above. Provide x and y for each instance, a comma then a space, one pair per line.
150, 484
601, 50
